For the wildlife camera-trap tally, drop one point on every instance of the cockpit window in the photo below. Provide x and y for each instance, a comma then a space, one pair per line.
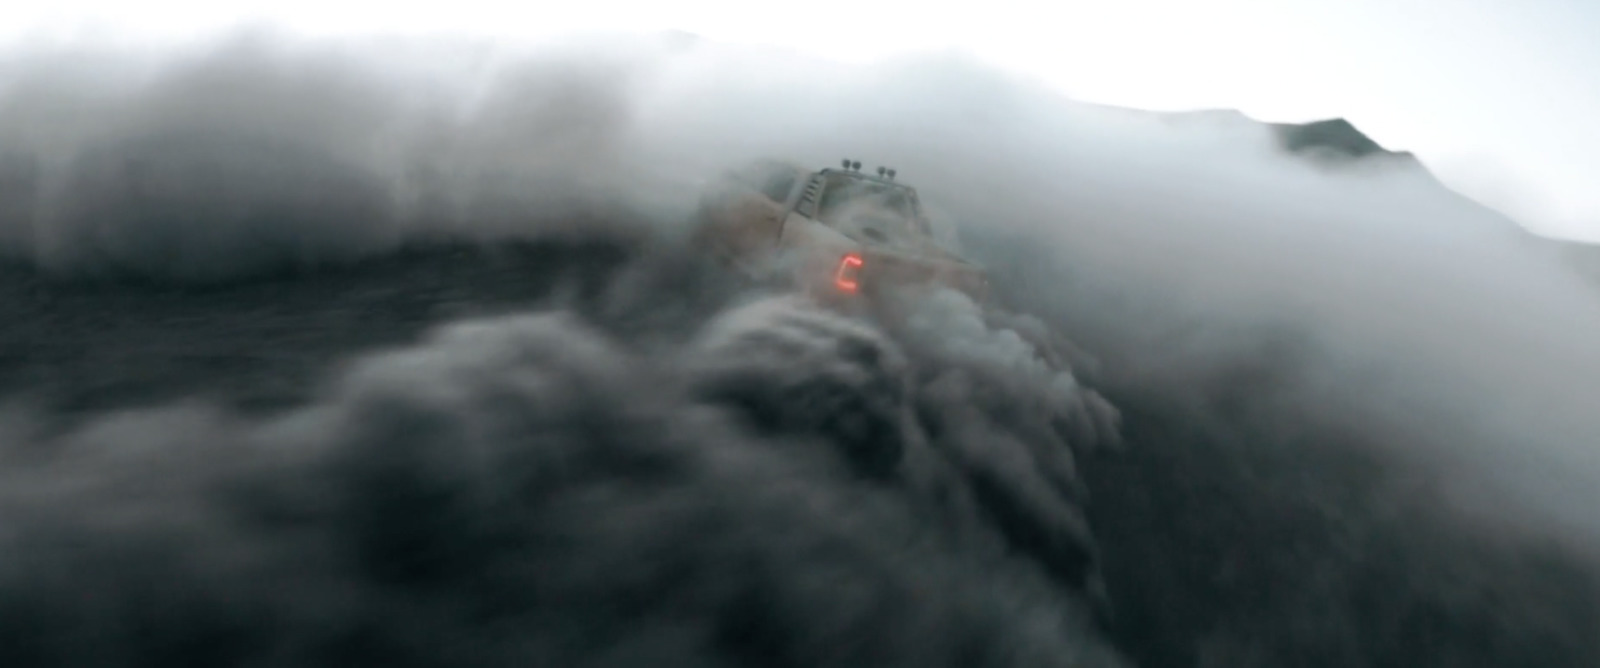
843, 191
882, 212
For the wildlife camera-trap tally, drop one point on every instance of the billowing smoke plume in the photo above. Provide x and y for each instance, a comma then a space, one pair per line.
520, 490
1352, 410
262, 156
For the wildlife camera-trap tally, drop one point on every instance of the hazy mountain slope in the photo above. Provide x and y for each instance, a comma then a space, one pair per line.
1337, 141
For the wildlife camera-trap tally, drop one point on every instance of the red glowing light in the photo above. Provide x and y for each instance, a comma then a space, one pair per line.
847, 278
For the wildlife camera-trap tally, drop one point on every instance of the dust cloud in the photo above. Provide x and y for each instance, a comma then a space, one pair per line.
1347, 352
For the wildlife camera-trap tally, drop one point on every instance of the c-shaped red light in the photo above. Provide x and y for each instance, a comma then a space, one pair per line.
848, 276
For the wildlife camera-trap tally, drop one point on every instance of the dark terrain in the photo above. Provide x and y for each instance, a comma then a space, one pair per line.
1228, 537
82, 347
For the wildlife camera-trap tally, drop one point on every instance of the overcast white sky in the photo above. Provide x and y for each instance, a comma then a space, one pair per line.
1501, 98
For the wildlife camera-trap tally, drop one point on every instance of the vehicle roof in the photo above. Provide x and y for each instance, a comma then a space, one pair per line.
865, 177
764, 164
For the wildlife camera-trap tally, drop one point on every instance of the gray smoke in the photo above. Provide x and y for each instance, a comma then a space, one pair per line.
1346, 356
518, 490
264, 155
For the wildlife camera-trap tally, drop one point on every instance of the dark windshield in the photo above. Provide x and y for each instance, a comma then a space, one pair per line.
843, 190
879, 210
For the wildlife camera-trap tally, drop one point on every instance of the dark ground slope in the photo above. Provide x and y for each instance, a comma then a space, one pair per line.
1250, 524
1234, 540
536, 491
1239, 526
81, 347
1235, 530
